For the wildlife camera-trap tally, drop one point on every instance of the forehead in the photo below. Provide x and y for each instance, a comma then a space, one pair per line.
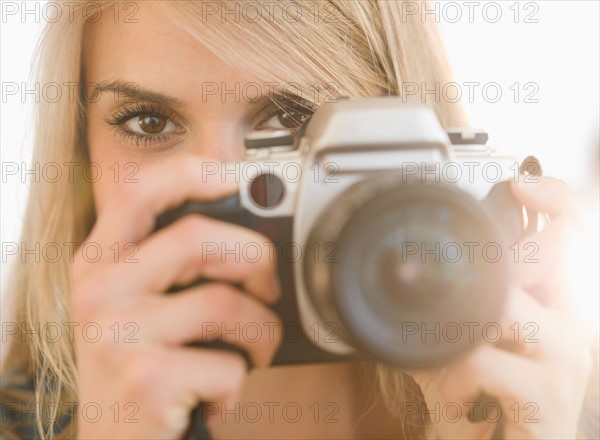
153, 50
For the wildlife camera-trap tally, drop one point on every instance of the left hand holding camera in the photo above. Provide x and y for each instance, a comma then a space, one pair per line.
539, 369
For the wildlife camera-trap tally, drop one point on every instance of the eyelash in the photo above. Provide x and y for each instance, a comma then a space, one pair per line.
126, 113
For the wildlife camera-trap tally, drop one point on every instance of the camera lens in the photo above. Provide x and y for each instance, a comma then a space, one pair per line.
411, 267
416, 253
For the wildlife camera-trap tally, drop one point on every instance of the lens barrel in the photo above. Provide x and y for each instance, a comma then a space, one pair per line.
417, 274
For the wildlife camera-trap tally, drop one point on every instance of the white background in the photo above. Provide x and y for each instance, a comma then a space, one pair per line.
559, 53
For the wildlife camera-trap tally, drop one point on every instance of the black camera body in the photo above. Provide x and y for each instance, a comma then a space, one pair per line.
379, 220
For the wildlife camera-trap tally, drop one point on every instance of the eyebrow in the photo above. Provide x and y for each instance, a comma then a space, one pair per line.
130, 89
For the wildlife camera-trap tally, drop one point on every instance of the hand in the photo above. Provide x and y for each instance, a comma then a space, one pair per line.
156, 380
539, 381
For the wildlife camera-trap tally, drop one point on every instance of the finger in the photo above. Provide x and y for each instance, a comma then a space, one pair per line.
515, 382
210, 312
491, 371
454, 392
549, 195
131, 213
530, 329
200, 247
522, 322
541, 264
178, 255
164, 385
199, 374
516, 329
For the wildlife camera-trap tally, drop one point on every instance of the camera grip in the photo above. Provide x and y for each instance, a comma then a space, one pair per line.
229, 210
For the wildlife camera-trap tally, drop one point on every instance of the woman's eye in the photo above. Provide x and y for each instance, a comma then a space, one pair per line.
150, 125
283, 120
146, 125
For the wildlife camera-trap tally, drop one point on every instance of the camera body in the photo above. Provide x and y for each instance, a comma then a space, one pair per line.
379, 219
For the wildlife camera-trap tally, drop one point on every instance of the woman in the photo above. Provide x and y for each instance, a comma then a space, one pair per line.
163, 92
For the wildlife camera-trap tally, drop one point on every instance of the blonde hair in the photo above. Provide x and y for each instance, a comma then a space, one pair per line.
367, 49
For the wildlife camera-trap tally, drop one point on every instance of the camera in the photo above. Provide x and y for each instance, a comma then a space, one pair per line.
390, 232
